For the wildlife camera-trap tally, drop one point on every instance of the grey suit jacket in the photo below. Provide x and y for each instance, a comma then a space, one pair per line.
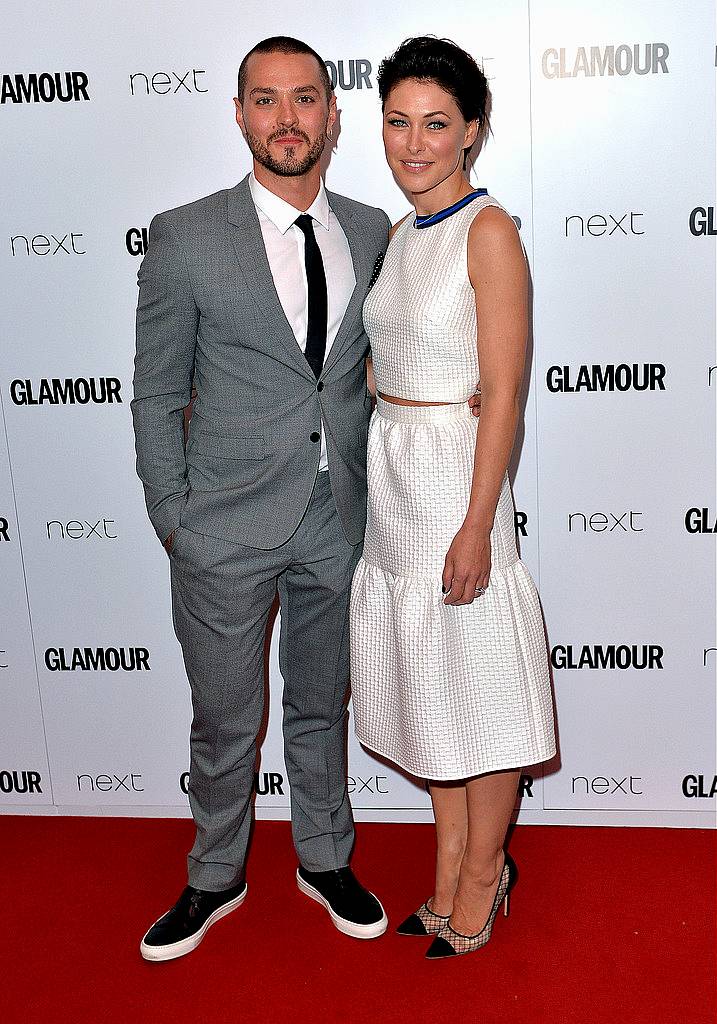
208, 311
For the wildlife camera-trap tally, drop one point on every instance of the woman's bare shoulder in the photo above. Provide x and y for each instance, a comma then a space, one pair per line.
396, 226
494, 224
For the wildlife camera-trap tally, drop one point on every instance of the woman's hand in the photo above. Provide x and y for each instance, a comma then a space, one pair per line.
467, 565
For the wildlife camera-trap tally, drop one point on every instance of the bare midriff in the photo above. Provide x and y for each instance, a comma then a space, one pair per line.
407, 401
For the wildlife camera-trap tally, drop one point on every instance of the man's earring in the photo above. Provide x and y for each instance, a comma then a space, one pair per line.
329, 133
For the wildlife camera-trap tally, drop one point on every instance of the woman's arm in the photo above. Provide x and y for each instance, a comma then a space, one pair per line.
370, 380
498, 273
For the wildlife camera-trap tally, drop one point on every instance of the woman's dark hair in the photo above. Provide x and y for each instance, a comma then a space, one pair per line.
443, 62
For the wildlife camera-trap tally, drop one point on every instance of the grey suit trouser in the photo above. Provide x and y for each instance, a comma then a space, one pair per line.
222, 594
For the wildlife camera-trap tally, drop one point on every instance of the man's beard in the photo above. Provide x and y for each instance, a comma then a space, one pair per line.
289, 166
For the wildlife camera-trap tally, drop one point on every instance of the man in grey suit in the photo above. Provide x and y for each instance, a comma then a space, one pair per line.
255, 294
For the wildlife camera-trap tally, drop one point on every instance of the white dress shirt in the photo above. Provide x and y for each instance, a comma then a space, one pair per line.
284, 244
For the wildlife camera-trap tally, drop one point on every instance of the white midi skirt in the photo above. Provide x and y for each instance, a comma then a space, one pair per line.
445, 692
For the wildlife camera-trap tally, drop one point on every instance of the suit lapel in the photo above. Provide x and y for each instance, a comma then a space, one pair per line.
363, 265
250, 252
248, 243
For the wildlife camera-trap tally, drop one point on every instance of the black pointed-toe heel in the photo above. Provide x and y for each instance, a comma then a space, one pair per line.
423, 922
449, 942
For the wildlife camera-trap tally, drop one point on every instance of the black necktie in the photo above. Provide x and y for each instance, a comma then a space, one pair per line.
318, 304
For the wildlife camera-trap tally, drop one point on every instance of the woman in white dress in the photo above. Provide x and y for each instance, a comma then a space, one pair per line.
449, 664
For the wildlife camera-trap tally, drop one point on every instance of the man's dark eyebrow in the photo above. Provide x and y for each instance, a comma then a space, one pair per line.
264, 90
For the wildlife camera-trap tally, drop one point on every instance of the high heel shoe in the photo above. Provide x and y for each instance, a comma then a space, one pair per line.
423, 922
449, 942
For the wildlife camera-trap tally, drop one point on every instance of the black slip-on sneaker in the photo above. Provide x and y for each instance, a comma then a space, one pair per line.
182, 928
354, 910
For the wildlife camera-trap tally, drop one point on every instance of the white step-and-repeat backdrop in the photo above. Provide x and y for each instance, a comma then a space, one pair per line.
603, 148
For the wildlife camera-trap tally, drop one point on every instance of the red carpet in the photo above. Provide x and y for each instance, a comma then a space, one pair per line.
606, 925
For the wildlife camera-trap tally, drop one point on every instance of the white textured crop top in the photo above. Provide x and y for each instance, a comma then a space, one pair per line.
420, 315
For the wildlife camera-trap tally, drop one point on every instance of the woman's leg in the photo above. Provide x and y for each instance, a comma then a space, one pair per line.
450, 811
490, 801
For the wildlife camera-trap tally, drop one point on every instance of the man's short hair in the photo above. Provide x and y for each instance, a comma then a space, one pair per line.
282, 44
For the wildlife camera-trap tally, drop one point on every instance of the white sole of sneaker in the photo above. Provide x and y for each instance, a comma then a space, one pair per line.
184, 946
356, 931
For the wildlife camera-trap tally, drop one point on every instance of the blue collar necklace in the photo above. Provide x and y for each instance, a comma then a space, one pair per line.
436, 218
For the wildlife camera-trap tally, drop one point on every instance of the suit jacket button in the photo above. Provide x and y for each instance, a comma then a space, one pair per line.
320, 386
315, 436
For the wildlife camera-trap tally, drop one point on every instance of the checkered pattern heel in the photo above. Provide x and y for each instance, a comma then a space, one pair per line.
449, 942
